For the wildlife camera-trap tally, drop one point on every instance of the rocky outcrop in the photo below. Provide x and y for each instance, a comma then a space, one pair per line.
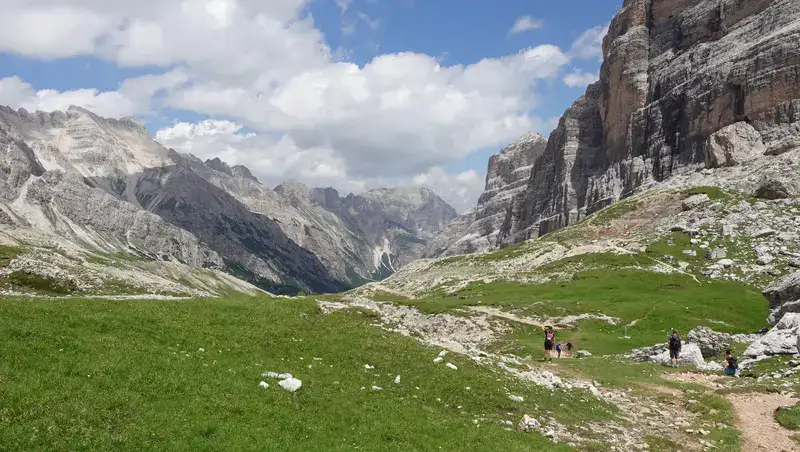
784, 297
659, 354
507, 176
684, 86
780, 340
713, 343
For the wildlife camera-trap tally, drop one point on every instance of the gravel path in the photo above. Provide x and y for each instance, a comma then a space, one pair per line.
755, 417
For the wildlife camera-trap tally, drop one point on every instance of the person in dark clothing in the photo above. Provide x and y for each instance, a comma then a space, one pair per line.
731, 364
569, 349
674, 343
549, 340
558, 349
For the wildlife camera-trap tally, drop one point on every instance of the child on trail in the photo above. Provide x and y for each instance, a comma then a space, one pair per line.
674, 344
731, 364
558, 349
569, 349
549, 338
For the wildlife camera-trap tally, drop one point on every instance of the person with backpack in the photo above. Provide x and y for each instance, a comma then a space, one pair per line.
674, 344
731, 364
558, 349
549, 339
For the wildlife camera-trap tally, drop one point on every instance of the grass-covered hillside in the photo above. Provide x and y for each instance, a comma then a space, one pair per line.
184, 375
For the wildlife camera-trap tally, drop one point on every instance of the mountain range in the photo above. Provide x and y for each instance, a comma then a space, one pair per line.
105, 185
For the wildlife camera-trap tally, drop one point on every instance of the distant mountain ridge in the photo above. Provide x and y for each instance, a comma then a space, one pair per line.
105, 184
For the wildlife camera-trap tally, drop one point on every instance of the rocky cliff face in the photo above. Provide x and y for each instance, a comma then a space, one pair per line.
686, 85
105, 185
506, 177
397, 223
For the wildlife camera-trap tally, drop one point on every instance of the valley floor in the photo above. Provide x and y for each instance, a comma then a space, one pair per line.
184, 375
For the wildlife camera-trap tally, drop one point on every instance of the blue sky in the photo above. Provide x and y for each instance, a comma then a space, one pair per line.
238, 85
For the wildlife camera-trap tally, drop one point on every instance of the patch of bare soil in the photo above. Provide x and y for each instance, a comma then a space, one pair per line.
707, 380
755, 418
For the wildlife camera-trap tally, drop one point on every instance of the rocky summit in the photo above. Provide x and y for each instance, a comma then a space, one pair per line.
104, 186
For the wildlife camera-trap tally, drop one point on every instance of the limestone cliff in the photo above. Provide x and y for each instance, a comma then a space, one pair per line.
682, 83
506, 176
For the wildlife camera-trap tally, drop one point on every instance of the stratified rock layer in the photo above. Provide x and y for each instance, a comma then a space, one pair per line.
506, 177
675, 73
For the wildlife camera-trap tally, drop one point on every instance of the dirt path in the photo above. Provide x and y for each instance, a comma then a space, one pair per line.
709, 381
494, 312
755, 417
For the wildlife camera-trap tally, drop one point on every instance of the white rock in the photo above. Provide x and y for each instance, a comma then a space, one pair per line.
264, 384
201, 350
368, 367
397, 380
695, 201
516, 398
290, 384
726, 263
442, 353
438, 359
780, 340
377, 388
451, 366
528, 424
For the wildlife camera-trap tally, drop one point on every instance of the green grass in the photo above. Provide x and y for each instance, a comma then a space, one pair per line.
8, 253
616, 286
40, 284
128, 375
789, 417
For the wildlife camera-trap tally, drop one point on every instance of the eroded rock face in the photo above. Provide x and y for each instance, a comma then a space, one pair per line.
506, 177
783, 296
683, 84
106, 185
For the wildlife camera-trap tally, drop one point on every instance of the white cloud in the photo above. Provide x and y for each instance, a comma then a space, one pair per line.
460, 190
526, 23
589, 44
343, 5
52, 32
266, 66
577, 78
373, 24
16, 93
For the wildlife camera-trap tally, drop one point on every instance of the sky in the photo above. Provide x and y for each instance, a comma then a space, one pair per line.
353, 94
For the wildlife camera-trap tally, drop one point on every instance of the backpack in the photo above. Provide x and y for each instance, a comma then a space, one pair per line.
674, 341
549, 336
733, 363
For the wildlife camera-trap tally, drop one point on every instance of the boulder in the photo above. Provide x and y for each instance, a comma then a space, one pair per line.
726, 263
690, 355
772, 189
716, 253
780, 340
711, 343
783, 296
695, 201
733, 145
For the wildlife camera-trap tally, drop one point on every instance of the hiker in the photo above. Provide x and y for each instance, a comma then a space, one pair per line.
569, 349
558, 349
674, 347
549, 338
731, 364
